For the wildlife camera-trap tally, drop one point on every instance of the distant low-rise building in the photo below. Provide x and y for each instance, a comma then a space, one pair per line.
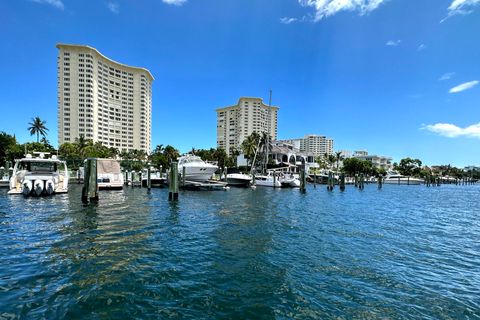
379, 162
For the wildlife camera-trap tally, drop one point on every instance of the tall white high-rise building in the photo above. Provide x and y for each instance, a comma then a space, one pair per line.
103, 100
312, 143
235, 123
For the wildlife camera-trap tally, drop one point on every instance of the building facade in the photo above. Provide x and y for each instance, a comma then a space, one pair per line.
103, 100
235, 123
315, 144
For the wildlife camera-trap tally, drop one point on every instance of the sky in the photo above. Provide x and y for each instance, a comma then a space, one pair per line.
398, 78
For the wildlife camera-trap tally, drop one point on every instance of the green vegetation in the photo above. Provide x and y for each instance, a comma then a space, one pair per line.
37, 126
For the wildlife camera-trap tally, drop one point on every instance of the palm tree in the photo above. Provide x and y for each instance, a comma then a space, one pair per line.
338, 157
249, 145
37, 126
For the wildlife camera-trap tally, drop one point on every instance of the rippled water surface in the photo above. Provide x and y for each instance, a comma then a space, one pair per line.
400, 252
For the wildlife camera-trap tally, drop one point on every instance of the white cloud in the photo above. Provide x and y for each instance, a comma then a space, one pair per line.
422, 47
113, 7
326, 8
453, 131
460, 7
446, 76
464, 86
175, 2
55, 3
287, 20
393, 43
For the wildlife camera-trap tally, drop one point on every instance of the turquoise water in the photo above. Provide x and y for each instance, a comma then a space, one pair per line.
400, 252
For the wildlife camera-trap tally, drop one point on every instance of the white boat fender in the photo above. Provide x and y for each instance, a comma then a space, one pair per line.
38, 187
226, 188
27, 187
49, 186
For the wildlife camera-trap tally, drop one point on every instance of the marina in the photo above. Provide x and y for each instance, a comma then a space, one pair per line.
395, 252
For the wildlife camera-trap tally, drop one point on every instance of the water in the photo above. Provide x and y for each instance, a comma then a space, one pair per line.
400, 252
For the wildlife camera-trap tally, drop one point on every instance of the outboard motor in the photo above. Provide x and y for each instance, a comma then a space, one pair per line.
38, 187
27, 187
49, 187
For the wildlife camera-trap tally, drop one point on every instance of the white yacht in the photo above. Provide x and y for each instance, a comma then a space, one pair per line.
109, 174
396, 178
39, 176
237, 179
268, 180
195, 168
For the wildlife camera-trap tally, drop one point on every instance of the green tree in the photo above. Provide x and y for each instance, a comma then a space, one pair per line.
38, 127
6, 141
409, 167
250, 145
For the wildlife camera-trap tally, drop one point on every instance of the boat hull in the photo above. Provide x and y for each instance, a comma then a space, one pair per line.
238, 180
199, 174
403, 181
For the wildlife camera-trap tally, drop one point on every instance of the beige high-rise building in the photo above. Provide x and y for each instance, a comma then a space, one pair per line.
235, 123
103, 100
312, 143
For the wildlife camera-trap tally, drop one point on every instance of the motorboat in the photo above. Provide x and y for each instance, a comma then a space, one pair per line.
195, 168
39, 176
157, 180
396, 178
268, 180
109, 174
289, 181
237, 179
4, 178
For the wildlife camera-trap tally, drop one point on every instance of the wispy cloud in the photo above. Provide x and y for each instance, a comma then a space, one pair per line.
422, 47
393, 43
460, 7
175, 2
113, 7
326, 8
464, 86
55, 3
446, 76
452, 131
287, 20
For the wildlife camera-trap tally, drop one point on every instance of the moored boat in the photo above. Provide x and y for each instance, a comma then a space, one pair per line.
237, 179
396, 178
195, 168
39, 176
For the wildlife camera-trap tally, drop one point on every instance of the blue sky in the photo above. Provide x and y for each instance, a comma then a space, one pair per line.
395, 77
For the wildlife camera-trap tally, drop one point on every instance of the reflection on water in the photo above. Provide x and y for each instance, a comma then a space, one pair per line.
399, 252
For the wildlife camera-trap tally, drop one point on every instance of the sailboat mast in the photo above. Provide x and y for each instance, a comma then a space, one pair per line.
269, 129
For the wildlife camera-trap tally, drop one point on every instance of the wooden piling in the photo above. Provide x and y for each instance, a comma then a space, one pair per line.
173, 182
330, 181
183, 176
380, 182
149, 179
342, 182
315, 179
274, 179
361, 184
303, 179
356, 180
90, 183
140, 178
126, 178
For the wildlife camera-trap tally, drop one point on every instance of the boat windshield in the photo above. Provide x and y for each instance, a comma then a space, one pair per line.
191, 159
37, 166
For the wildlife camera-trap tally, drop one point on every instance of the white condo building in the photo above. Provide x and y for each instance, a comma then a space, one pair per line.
235, 123
103, 100
315, 144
